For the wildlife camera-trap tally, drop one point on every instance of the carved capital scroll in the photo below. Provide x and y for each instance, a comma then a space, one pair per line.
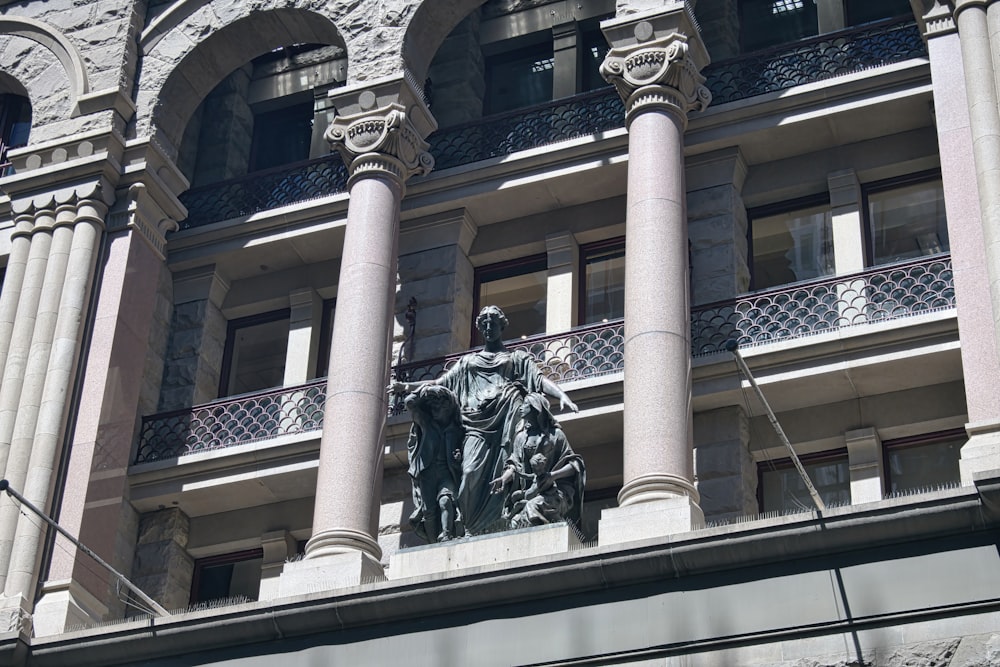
380, 141
658, 73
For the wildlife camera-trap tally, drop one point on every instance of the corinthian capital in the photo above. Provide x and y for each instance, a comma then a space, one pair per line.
656, 61
380, 139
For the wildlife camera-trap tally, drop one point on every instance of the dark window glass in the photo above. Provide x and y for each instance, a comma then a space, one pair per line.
15, 124
519, 288
790, 246
520, 78
907, 221
255, 353
765, 23
603, 281
281, 136
924, 463
227, 576
325, 338
593, 48
865, 11
782, 488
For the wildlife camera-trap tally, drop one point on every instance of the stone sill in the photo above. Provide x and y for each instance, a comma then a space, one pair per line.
955, 512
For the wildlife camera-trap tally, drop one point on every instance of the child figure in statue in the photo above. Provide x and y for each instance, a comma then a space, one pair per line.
435, 451
545, 476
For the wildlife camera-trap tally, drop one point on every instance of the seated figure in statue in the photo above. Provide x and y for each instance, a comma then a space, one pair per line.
544, 476
490, 385
435, 452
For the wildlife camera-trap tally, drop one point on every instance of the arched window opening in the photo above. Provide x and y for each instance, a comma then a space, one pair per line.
269, 113
15, 125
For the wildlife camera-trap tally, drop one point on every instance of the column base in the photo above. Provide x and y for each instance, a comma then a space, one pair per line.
329, 573
649, 520
483, 551
663, 486
981, 452
65, 605
342, 541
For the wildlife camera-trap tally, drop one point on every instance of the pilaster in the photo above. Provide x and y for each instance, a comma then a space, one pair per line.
847, 221
864, 456
562, 285
303, 336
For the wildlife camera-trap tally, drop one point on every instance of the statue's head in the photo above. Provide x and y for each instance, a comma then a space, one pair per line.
439, 402
536, 406
491, 320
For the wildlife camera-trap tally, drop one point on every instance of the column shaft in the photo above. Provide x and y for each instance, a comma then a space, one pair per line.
12, 281
354, 422
657, 386
42, 446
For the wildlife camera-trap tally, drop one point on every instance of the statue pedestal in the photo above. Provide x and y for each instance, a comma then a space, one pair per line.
649, 520
328, 573
483, 551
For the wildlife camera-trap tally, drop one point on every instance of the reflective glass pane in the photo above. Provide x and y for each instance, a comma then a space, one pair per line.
604, 285
521, 293
281, 136
765, 23
594, 49
924, 466
793, 246
908, 222
519, 79
784, 490
257, 356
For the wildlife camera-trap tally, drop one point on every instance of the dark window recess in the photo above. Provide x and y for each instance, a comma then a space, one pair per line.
866, 11
603, 281
281, 136
227, 576
15, 124
780, 488
593, 49
520, 78
519, 288
325, 338
254, 357
765, 23
923, 463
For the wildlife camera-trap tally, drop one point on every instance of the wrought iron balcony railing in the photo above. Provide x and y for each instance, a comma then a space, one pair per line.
880, 294
569, 118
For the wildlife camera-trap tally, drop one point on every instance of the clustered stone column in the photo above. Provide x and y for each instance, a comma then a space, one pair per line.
381, 142
49, 306
654, 63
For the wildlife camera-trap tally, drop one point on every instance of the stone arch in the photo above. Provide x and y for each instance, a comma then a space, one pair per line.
46, 65
184, 59
431, 23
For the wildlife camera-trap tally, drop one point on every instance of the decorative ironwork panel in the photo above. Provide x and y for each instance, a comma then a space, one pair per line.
880, 294
265, 190
813, 60
578, 116
233, 421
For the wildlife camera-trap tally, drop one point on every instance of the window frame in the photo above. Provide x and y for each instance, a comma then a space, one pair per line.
886, 185
586, 251
777, 208
774, 465
914, 441
234, 325
329, 310
499, 271
222, 559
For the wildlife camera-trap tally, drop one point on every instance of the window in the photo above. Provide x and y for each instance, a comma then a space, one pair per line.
906, 220
923, 462
227, 576
866, 11
325, 338
765, 23
780, 488
519, 288
593, 49
791, 242
15, 124
603, 284
255, 353
281, 136
519, 78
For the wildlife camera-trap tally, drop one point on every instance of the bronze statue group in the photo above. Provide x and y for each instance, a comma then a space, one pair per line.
485, 450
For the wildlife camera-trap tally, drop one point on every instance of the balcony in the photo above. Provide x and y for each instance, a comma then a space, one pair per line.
877, 295
587, 114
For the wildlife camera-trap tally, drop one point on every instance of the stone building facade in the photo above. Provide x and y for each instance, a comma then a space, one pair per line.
225, 226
